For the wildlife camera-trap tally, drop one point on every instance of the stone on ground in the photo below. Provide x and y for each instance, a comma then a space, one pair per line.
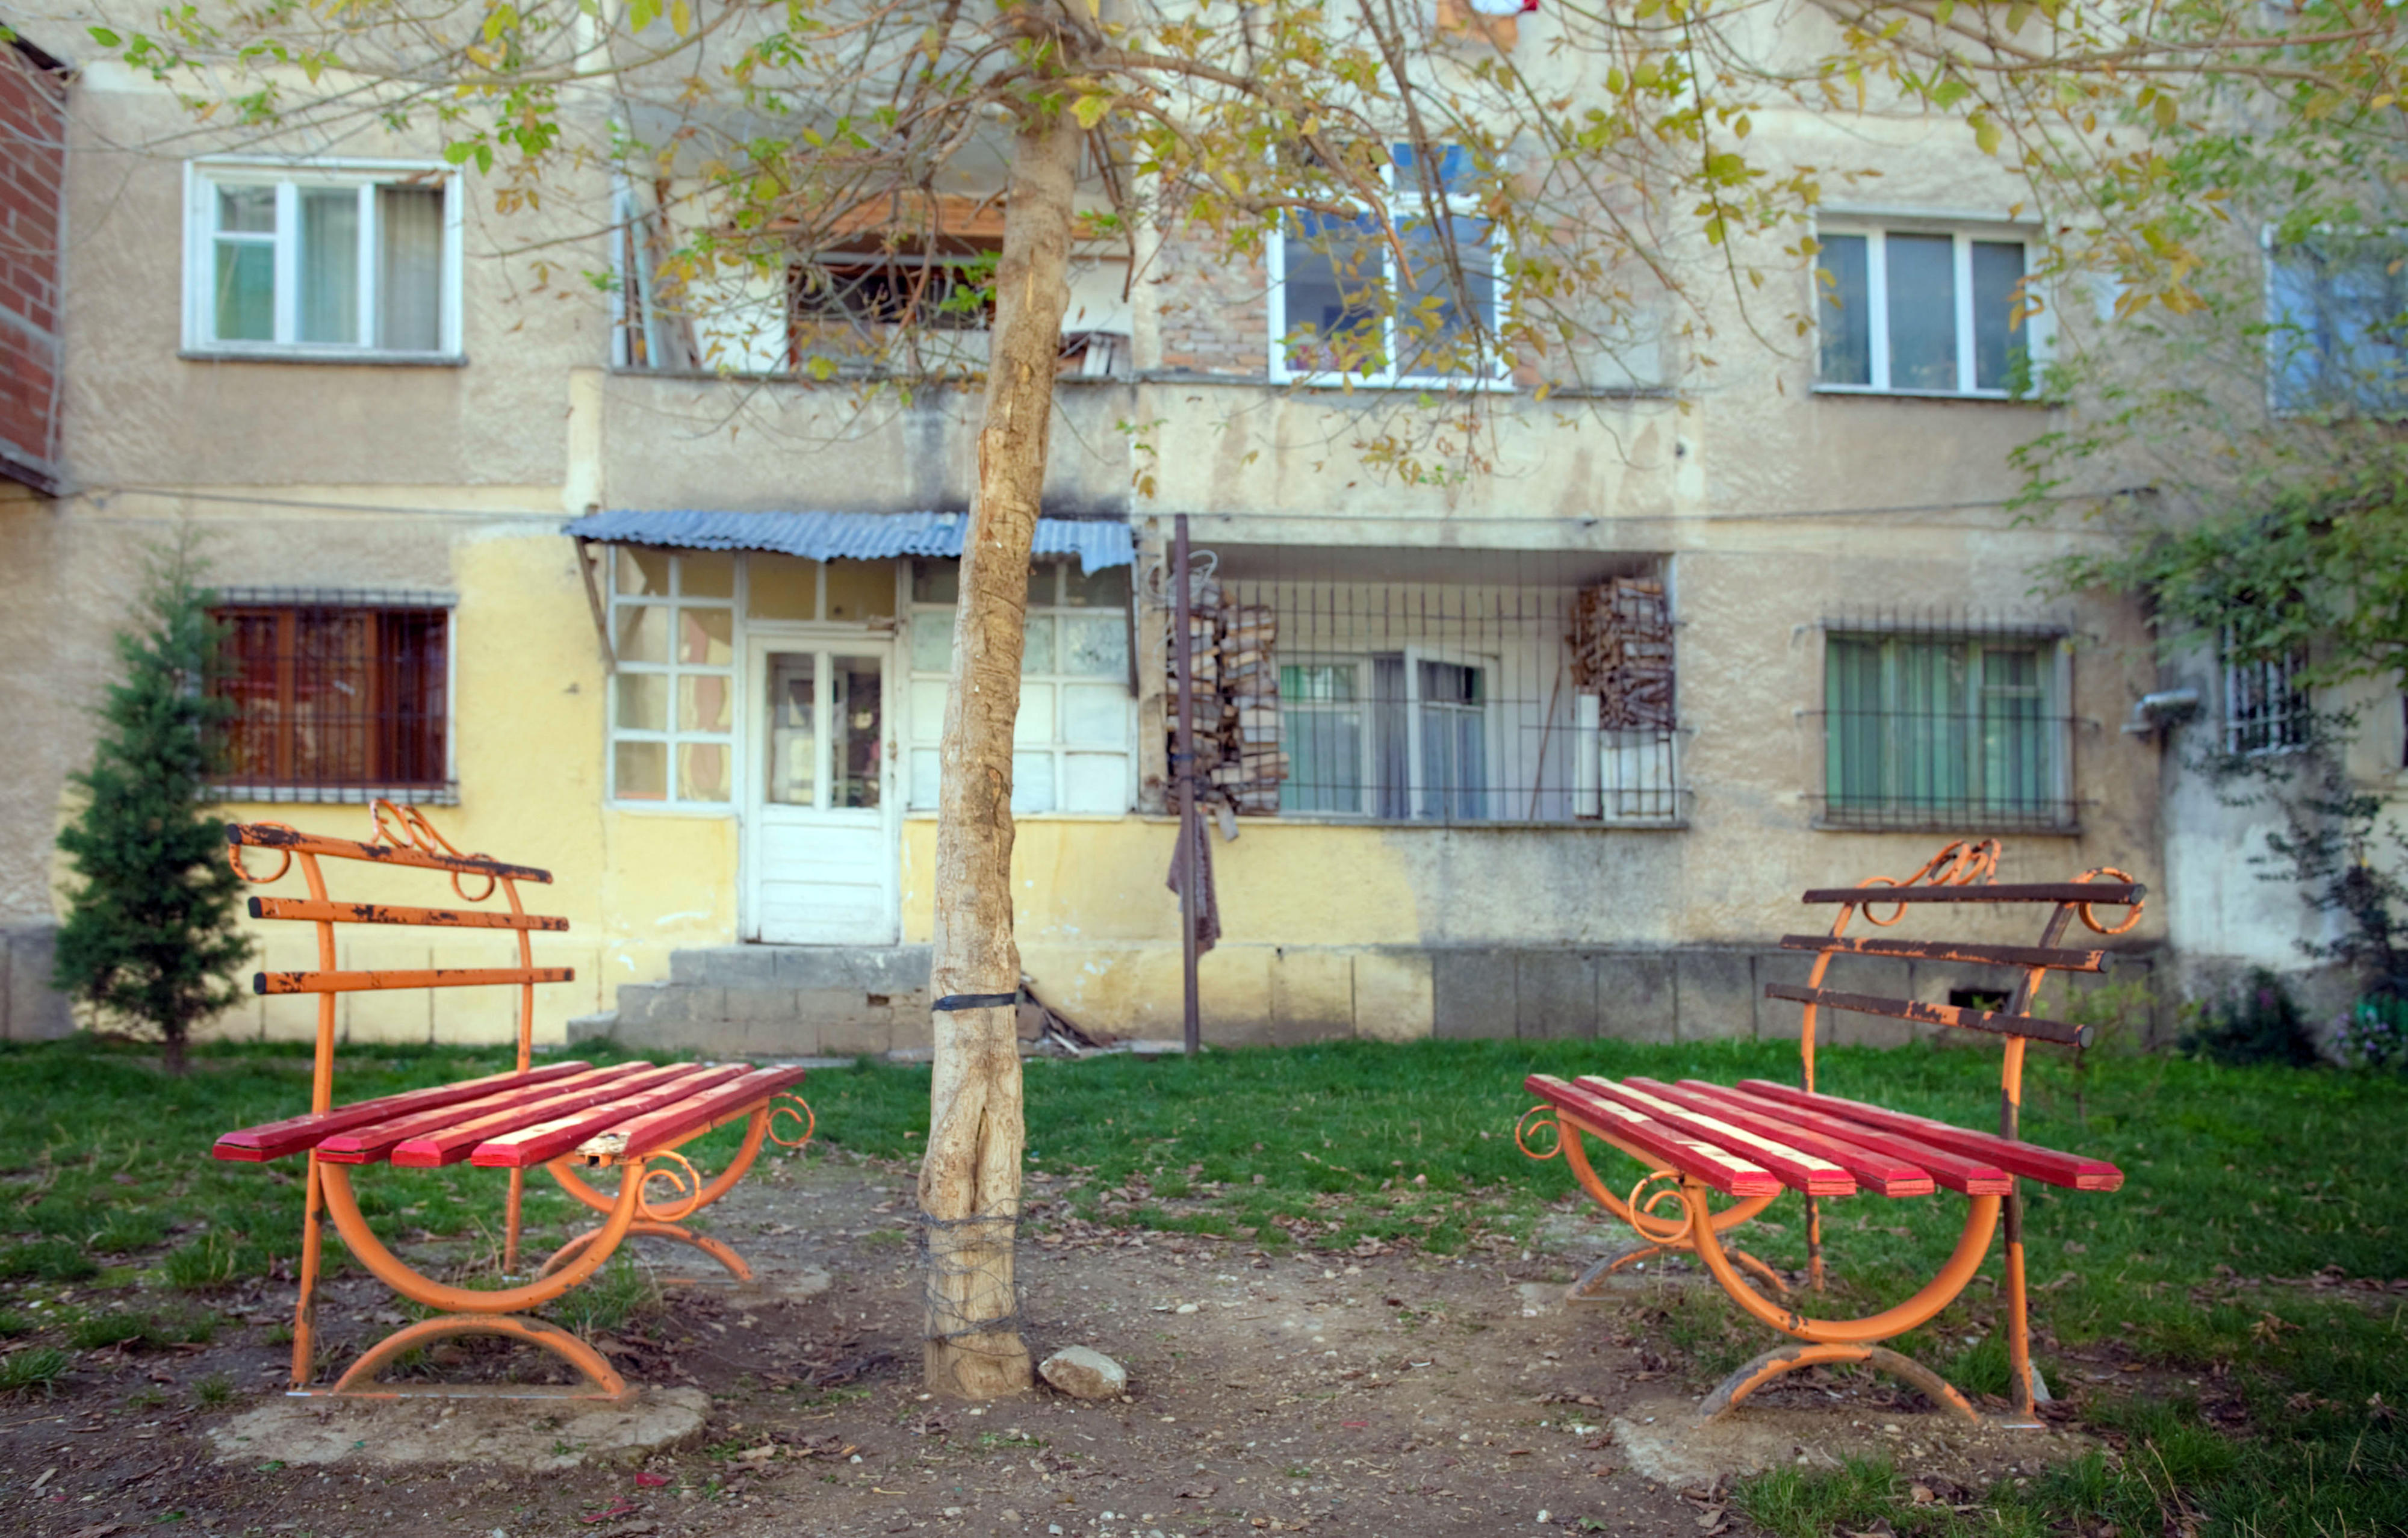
1083, 1373
536, 1435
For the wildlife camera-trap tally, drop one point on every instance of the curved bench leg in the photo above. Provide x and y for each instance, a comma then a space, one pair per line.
645, 1227
1788, 1359
359, 1381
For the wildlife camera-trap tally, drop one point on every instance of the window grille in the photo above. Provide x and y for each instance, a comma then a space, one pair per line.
332, 697
2265, 709
1948, 724
1422, 687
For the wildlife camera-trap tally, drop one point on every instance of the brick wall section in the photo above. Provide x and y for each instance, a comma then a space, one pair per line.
1214, 308
32, 164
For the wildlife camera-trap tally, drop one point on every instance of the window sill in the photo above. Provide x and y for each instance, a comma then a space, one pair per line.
357, 356
447, 794
1970, 397
1969, 824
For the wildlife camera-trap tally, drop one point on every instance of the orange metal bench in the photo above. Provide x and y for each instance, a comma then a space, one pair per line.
633, 1116
1752, 1141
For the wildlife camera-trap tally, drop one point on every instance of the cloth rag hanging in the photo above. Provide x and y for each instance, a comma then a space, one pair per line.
1196, 845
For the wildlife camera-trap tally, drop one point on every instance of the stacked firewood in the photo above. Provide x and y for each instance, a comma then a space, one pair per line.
1622, 651
1235, 705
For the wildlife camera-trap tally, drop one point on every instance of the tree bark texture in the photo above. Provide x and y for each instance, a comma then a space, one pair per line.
969, 1180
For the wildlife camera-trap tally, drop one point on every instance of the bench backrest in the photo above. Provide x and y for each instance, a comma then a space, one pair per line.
402, 838
1961, 873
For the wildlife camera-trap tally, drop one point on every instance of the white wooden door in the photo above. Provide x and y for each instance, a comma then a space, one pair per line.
822, 841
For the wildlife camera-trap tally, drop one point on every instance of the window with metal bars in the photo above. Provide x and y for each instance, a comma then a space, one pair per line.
1955, 730
2265, 709
330, 698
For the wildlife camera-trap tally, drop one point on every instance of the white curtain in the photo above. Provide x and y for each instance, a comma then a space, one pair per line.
409, 269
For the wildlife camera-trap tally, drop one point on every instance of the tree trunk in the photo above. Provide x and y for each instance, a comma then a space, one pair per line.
969, 1182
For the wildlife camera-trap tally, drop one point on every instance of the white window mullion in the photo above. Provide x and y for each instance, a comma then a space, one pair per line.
1961, 253
368, 265
822, 718
288, 263
1877, 308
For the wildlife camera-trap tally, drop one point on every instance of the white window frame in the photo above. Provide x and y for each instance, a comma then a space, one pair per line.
924, 736
1401, 207
2281, 710
2039, 326
202, 178
672, 739
1416, 789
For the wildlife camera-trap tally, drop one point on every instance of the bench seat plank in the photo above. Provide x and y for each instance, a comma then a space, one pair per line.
524, 1148
1858, 1146
297, 1134
671, 1124
671, 1087
2057, 958
1998, 1022
1798, 1168
1725, 1171
2029, 1160
376, 1142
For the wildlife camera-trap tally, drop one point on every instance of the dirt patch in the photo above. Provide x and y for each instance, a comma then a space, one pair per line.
1385, 1394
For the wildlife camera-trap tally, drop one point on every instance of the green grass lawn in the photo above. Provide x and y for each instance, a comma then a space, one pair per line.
2238, 1181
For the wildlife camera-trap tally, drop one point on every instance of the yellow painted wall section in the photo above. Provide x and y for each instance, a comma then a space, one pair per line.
529, 720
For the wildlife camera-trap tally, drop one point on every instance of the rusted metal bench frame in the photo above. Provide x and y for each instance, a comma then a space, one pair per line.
1959, 873
404, 838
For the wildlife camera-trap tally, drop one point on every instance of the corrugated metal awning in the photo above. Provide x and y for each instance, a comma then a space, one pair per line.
1095, 544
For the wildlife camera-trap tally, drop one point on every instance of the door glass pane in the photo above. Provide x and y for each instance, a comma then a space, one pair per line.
330, 265
644, 702
1095, 782
707, 574
932, 641
856, 723
707, 635
642, 772
1032, 784
1094, 712
925, 768
1999, 340
245, 296
703, 704
643, 633
1922, 311
779, 587
1095, 645
703, 771
793, 778
1842, 317
1035, 722
642, 573
1037, 652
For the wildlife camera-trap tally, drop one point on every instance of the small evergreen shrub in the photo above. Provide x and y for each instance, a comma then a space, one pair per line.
2261, 1024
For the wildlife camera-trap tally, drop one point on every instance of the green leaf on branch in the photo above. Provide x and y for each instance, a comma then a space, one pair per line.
1089, 111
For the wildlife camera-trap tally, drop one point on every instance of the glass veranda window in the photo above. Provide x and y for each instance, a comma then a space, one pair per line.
321, 263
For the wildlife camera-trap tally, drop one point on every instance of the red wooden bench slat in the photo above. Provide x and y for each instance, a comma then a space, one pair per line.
261, 836
2054, 958
527, 1146
294, 1134
2018, 1157
659, 1129
1997, 1022
387, 913
2121, 894
1884, 1174
367, 1144
451, 1144
1975, 1177
1798, 1167
438, 977
1726, 1173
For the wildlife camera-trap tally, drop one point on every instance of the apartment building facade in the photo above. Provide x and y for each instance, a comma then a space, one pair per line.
625, 591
